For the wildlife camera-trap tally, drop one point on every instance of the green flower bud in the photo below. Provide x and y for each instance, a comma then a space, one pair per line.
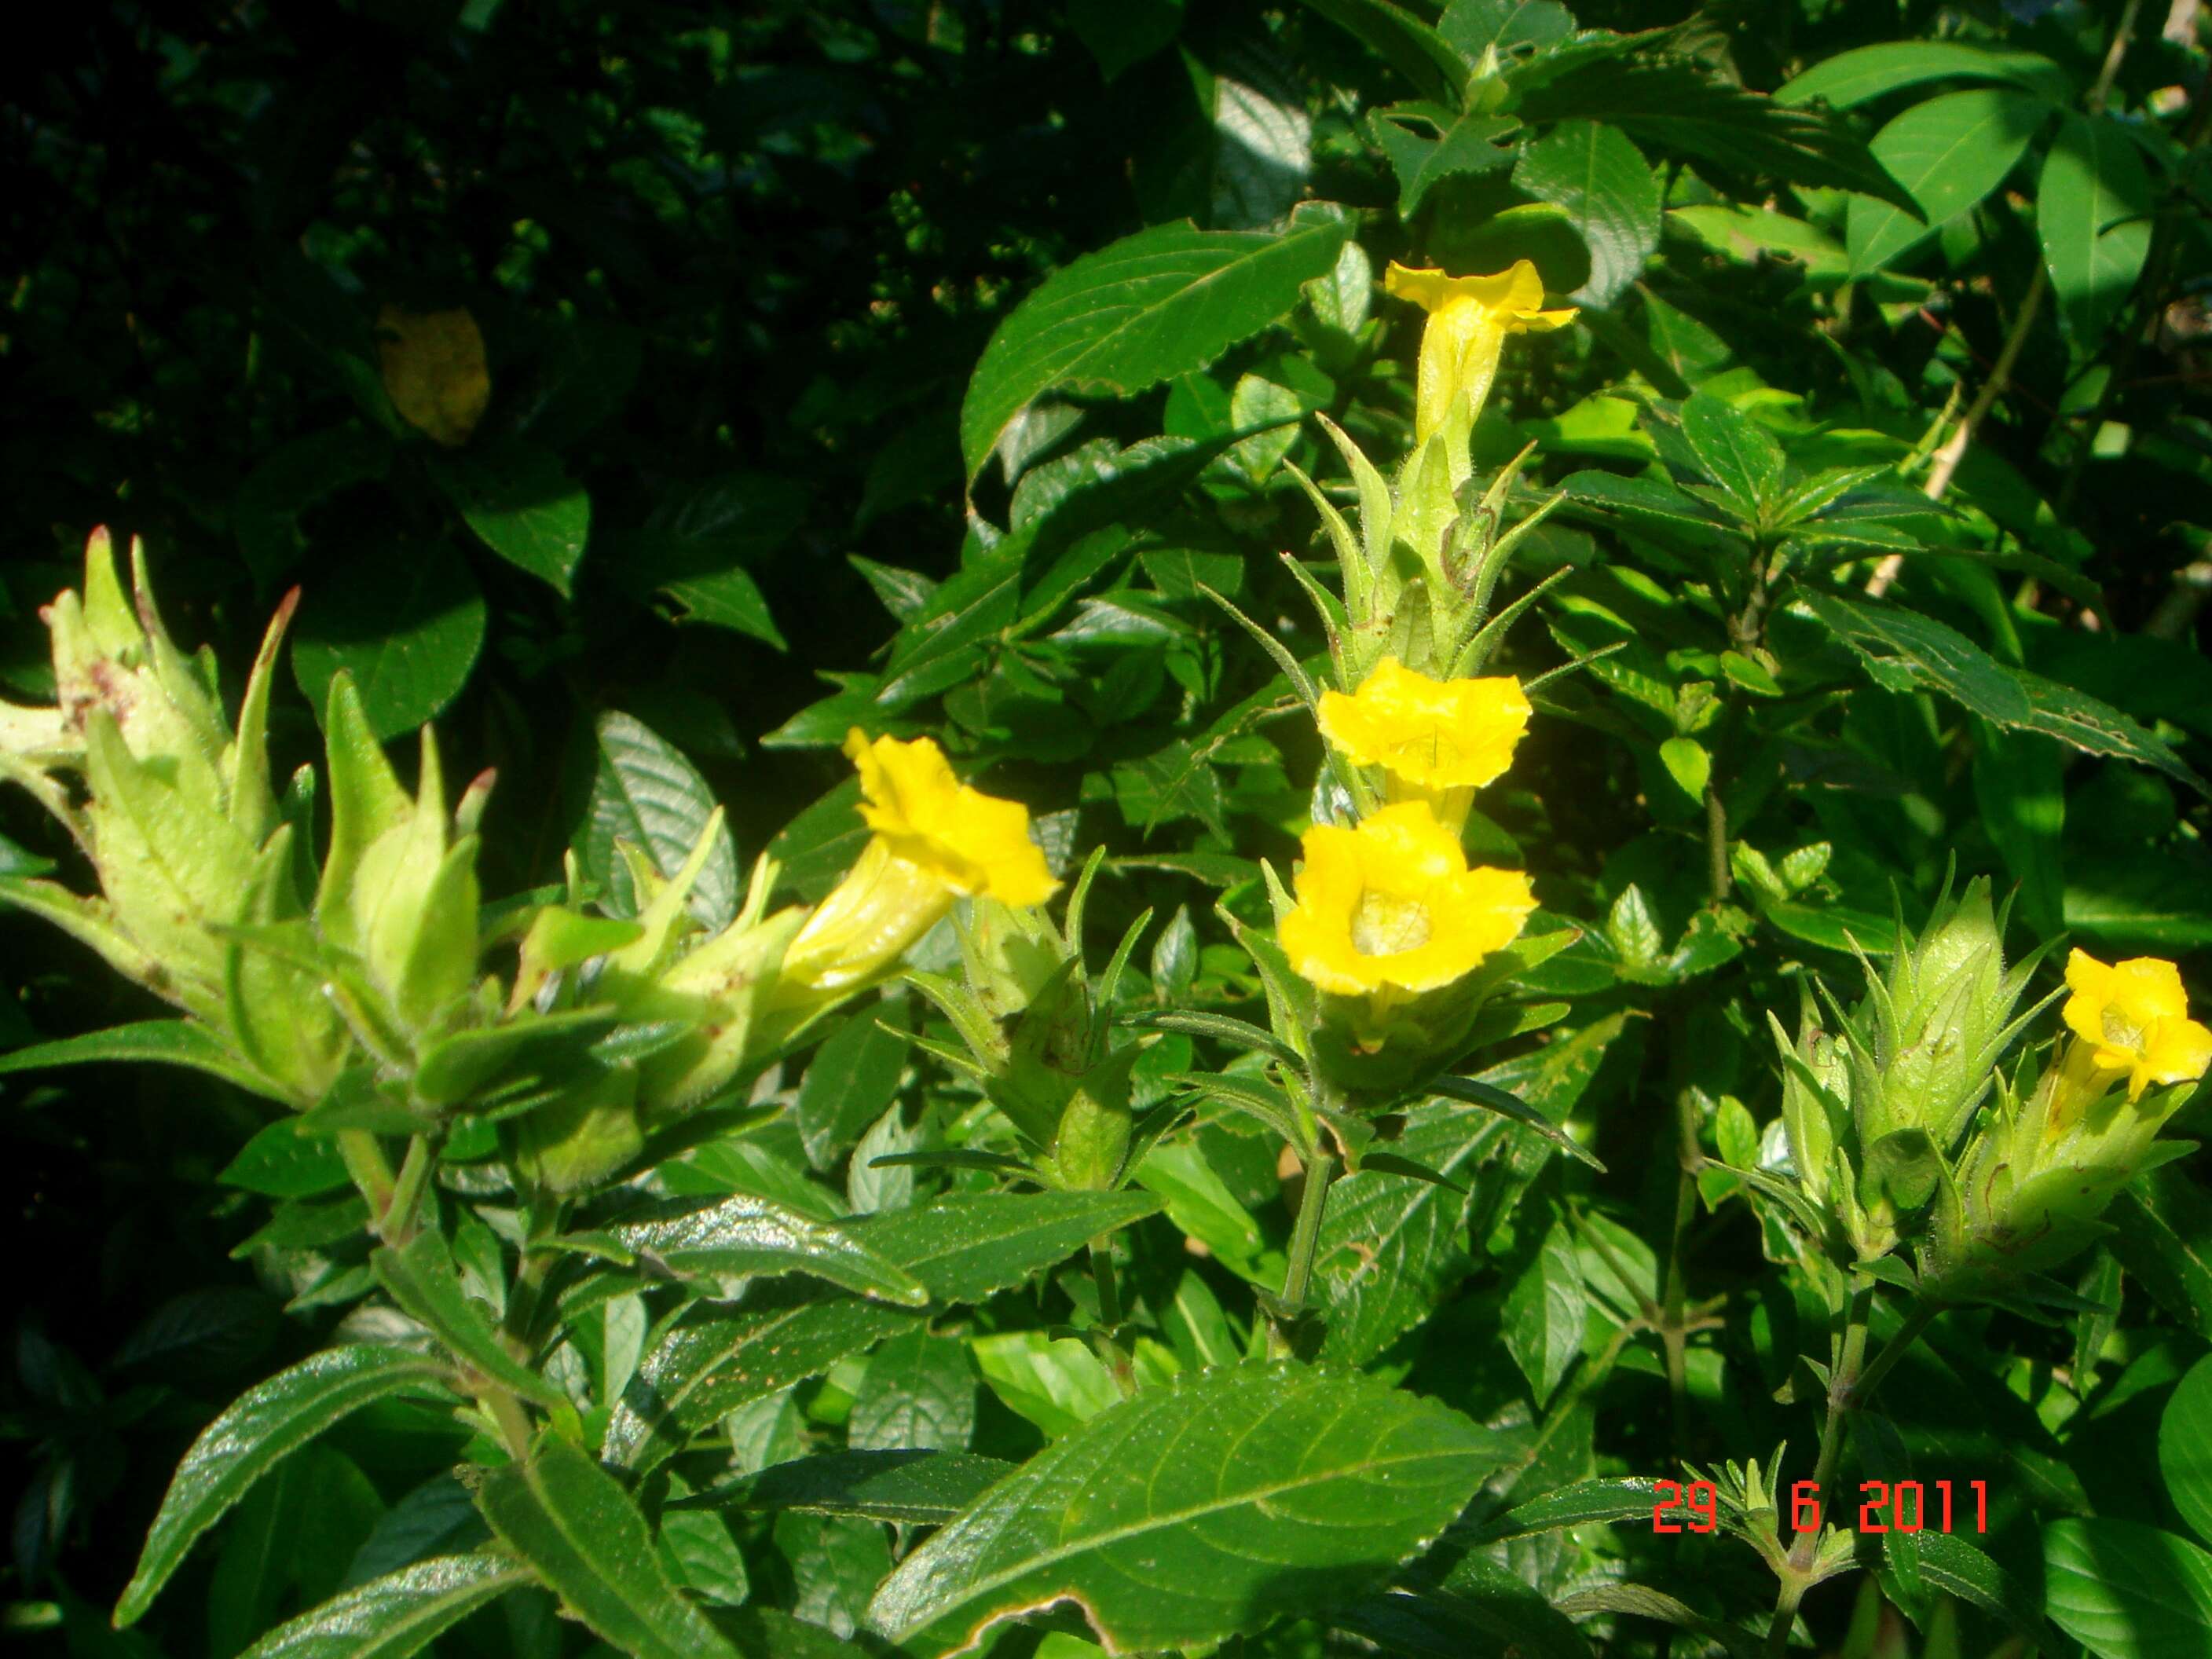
398, 898
180, 821
1816, 1090
1037, 1042
1925, 1042
2036, 1180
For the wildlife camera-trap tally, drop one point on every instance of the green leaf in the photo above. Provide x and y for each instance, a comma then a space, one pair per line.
2163, 1237
926, 1488
1688, 765
1409, 46
1198, 1510
523, 506
283, 1162
853, 1077
397, 1615
266, 513
1483, 1607
422, 1279
646, 793
695, 551
1948, 153
161, 1041
964, 1246
1476, 1092
1594, 174
1684, 110
1905, 651
1388, 1249
2184, 1448
2080, 719
1160, 303
748, 1235
406, 622
1470, 143
1545, 1313
257, 1429
2093, 209
1851, 78
967, 1246
578, 1529
1737, 452
2127, 1591
919, 1395
1612, 1500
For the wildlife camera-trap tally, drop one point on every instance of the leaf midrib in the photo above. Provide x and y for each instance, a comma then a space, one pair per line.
1198, 1511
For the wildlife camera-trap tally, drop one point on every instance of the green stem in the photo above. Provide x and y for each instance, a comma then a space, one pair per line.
1321, 1170
1843, 1390
397, 1225
370, 1169
1109, 1293
1716, 853
1108, 1347
1921, 1315
1675, 1290
513, 1422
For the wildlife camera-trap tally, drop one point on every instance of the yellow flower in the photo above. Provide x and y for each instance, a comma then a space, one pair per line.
2133, 1017
1435, 741
1391, 905
935, 840
1469, 318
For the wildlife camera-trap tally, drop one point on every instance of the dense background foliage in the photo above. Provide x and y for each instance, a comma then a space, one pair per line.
735, 268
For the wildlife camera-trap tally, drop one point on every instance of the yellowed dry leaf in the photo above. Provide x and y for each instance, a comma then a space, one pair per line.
434, 371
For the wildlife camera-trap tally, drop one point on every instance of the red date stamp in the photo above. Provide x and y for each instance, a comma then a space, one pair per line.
1885, 1506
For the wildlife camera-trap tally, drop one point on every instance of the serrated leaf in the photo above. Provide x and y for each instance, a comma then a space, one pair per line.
963, 1247
1198, 1510
1163, 302
1680, 108
395, 1616
1948, 153
1469, 144
1596, 176
256, 1430
645, 792
749, 1234
586, 1540
1905, 649
1737, 452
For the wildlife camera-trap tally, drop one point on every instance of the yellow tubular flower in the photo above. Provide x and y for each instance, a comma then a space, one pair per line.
2133, 1017
1469, 318
935, 840
1435, 741
1391, 905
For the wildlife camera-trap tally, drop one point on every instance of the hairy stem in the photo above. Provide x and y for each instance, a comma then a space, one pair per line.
1843, 1381
370, 1169
1321, 1170
396, 1225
